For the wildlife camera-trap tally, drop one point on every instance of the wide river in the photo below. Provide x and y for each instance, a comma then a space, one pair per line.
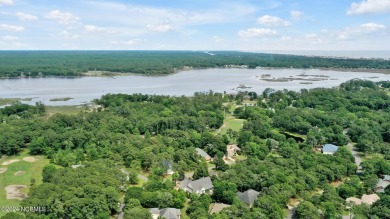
85, 89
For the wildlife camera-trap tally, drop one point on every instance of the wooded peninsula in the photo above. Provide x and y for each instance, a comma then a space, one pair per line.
77, 63
248, 155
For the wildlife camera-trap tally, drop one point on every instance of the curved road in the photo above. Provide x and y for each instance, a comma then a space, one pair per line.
358, 159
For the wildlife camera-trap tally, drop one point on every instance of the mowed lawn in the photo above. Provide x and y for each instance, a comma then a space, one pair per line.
231, 122
70, 110
31, 169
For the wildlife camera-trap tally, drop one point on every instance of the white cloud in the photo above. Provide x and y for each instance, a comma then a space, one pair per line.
67, 35
272, 21
369, 7
162, 27
314, 38
6, 2
360, 31
130, 42
11, 28
62, 17
10, 38
296, 15
26, 17
256, 32
370, 27
217, 39
94, 29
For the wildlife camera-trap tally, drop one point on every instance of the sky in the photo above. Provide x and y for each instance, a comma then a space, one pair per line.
249, 25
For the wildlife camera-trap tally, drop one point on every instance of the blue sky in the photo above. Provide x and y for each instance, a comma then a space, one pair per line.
255, 25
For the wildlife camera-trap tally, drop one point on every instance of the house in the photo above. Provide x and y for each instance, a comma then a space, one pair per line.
168, 166
231, 150
249, 196
200, 186
382, 184
217, 207
370, 199
329, 149
203, 154
366, 199
168, 213
353, 200
155, 212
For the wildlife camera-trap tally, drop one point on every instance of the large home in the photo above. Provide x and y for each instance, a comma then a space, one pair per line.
203, 154
329, 149
168, 213
200, 186
382, 184
249, 196
231, 150
366, 199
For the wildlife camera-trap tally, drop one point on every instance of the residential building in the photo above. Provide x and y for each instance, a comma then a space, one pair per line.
200, 186
329, 149
249, 196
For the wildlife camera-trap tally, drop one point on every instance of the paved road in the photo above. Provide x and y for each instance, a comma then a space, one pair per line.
144, 178
358, 159
121, 213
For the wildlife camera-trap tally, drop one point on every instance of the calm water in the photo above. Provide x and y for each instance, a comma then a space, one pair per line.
85, 89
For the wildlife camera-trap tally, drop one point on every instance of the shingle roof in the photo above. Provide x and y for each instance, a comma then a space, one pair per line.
154, 210
217, 207
357, 201
248, 197
202, 152
197, 185
170, 213
331, 148
381, 185
370, 199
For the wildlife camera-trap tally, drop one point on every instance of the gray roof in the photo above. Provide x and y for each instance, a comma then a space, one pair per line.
170, 213
197, 185
154, 210
330, 148
387, 178
217, 207
248, 197
381, 185
202, 152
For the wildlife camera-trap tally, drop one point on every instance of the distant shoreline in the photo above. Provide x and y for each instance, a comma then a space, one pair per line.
115, 74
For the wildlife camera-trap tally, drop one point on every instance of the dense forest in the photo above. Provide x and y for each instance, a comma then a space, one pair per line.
75, 63
135, 134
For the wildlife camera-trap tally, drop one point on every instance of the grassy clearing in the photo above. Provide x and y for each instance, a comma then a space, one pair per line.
31, 169
231, 123
71, 110
7, 101
183, 211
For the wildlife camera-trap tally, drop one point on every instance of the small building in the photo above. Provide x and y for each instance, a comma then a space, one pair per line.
382, 184
200, 186
366, 199
203, 154
217, 207
231, 150
354, 200
168, 213
249, 196
168, 166
370, 199
329, 149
